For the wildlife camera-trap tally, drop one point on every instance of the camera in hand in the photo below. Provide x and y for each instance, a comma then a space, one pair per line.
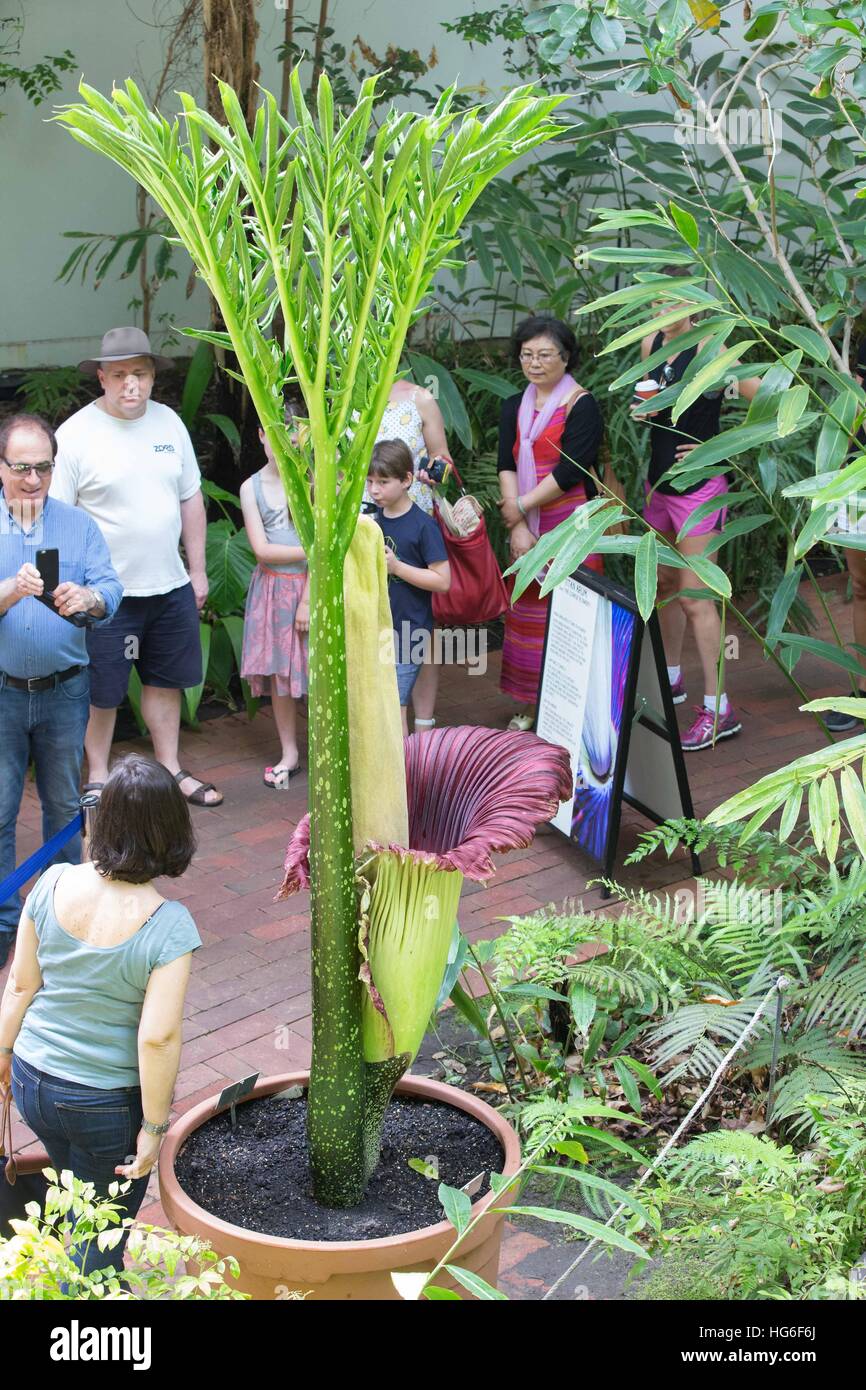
369, 509
437, 469
48, 565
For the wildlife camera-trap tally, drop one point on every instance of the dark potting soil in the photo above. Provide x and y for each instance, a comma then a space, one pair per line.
257, 1176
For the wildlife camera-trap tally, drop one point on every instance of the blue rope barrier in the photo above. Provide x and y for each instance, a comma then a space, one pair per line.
42, 856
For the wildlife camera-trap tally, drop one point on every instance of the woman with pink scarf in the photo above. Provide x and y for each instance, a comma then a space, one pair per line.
549, 438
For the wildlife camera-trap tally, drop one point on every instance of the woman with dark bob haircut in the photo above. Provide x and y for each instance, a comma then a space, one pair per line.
91, 1017
549, 439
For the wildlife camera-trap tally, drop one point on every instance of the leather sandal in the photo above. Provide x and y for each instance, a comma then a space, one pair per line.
198, 797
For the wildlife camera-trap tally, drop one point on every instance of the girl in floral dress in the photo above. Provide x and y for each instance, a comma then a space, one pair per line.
277, 619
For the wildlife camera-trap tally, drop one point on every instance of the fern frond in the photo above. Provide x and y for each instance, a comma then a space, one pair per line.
709, 1154
618, 986
696, 1037
833, 909
838, 998
798, 1087
545, 1121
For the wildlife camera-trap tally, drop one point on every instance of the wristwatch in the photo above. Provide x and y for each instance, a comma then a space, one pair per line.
155, 1129
97, 601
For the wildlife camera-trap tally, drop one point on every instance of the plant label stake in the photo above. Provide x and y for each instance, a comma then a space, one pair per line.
781, 986
232, 1094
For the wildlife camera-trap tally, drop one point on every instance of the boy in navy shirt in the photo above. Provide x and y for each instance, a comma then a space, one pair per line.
416, 557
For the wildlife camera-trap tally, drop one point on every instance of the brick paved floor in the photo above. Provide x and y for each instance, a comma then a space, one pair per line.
248, 1006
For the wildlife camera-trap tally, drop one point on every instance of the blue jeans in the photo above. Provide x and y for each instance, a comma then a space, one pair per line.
89, 1131
47, 729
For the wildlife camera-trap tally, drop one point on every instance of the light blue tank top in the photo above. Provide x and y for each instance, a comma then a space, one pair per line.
279, 529
83, 1023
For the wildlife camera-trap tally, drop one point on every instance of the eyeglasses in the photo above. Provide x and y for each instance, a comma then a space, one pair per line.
543, 357
22, 469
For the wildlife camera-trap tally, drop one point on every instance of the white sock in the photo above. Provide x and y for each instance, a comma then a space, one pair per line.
711, 701
673, 674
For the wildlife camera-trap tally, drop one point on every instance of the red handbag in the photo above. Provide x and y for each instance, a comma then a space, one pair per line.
477, 593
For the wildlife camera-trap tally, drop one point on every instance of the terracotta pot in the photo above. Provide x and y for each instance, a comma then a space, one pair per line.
272, 1267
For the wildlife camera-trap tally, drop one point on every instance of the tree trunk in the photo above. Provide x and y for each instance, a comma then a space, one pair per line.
230, 33
288, 60
142, 218
319, 46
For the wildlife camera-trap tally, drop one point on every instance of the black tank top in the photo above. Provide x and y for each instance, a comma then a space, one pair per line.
699, 422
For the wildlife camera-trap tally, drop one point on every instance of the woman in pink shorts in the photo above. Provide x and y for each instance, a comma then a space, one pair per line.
667, 511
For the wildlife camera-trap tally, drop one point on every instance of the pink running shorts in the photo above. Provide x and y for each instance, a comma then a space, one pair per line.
666, 511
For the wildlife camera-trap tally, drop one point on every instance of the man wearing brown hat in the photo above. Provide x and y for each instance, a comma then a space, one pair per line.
129, 463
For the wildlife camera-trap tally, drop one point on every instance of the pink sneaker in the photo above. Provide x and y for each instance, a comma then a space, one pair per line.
678, 690
707, 730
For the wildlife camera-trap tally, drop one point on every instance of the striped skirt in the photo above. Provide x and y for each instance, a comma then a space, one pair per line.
525, 623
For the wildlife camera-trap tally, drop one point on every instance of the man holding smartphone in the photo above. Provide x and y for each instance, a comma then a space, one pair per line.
44, 684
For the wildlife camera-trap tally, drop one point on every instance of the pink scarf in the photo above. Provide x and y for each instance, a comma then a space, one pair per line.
530, 431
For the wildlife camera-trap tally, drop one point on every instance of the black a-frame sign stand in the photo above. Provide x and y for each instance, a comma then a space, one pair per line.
604, 695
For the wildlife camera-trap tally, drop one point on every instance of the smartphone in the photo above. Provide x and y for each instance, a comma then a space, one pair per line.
48, 565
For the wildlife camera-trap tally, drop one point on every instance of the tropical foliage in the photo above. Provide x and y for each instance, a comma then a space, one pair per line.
37, 1261
746, 1218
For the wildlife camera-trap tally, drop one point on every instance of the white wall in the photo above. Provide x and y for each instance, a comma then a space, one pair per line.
52, 184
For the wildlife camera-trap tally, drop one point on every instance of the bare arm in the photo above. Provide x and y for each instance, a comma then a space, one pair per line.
521, 538
545, 491
264, 551
508, 485
25, 981
160, 1036
193, 527
432, 425
748, 386
302, 616
436, 579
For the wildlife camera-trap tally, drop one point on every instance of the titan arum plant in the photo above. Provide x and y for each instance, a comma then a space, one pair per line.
318, 240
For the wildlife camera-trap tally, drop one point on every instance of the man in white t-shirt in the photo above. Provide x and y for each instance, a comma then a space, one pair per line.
129, 463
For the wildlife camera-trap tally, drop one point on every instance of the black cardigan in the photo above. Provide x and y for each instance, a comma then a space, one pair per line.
581, 441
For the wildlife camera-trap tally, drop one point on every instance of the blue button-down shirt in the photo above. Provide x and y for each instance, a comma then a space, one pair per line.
35, 640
